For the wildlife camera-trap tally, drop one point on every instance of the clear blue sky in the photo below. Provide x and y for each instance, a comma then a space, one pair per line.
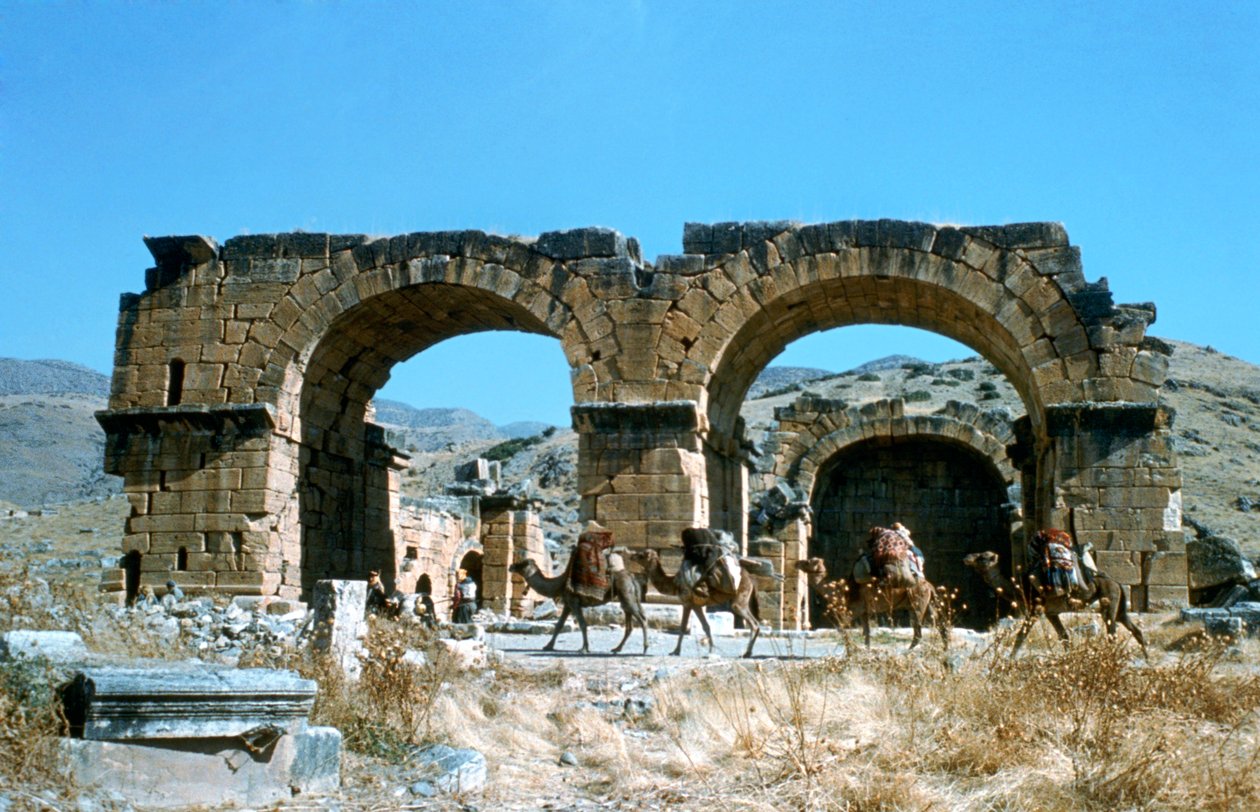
1135, 124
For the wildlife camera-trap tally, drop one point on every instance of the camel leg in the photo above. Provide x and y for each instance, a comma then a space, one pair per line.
1024, 628
703, 618
750, 620
682, 629
564, 615
1058, 627
916, 622
868, 609
643, 625
1122, 613
581, 619
629, 628
632, 612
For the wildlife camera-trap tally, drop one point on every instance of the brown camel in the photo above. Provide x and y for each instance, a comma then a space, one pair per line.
710, 593
1034, 597
874, 597
625, 588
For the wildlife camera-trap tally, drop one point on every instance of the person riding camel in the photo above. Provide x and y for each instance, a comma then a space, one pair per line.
889, 556
916, 559
1054, 561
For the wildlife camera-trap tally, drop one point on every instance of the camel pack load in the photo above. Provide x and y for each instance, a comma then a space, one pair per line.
708, 555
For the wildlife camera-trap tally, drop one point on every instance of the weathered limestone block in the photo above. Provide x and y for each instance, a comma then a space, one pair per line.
1123, 566
184, 702
1164, 569
1217, 560
57, 647
221, 771
340, 622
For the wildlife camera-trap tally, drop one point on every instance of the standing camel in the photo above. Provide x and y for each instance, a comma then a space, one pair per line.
741, 599
624, 587
874, 597
1112, 604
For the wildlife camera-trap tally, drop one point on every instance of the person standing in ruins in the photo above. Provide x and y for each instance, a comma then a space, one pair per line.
376, 603
173, 595
465, 597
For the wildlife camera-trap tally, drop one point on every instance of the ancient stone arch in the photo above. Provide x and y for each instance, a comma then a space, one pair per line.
239, 414
946, 474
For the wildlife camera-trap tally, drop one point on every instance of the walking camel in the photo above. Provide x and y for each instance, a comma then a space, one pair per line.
624, 587
874, 597
741, 599
1112, 604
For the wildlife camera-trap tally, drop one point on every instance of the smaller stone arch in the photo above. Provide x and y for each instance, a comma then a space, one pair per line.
813, 430
816, 438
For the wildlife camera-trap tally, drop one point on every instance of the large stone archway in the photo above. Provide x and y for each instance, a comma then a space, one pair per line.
239, 419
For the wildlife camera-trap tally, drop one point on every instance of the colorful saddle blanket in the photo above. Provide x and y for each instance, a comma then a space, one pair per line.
888, 547
588, 568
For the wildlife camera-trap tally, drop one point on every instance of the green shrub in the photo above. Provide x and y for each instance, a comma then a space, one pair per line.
510, 448
917, 396
868, 376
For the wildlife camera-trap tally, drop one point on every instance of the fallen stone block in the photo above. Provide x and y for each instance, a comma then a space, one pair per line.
449, 769
213, 772
184, 702
467, 654
56, 647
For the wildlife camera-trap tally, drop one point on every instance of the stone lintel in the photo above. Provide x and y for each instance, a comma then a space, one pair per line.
175, 255
1123, 419
382, 451
504, 502
180, 703
246, 419
681, 416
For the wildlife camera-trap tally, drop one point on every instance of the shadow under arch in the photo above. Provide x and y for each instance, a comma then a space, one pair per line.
343, 465
951, 495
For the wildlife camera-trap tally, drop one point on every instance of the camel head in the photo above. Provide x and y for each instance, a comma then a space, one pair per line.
815, 568
523, 567
646, 559
981, 562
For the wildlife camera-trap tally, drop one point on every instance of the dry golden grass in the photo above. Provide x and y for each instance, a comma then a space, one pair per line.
1095, 726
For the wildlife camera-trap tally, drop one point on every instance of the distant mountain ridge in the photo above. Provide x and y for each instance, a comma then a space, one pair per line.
51, 446
50, 377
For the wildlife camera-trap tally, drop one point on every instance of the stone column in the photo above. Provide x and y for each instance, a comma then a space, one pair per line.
641, 469
498, 544
794, 600
1117, 485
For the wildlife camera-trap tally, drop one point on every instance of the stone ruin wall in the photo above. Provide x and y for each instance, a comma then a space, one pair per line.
240, 411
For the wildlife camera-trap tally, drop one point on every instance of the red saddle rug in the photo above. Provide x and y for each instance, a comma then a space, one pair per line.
888, 547
588, 568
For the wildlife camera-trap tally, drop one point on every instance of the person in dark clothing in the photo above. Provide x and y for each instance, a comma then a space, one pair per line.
426, 610
465, 597
376, 601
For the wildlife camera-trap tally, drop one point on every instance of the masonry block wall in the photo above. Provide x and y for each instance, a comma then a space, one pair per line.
427, 543
1119, 488
300, 330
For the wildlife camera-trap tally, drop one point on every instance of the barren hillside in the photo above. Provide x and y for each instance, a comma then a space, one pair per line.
50, 445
